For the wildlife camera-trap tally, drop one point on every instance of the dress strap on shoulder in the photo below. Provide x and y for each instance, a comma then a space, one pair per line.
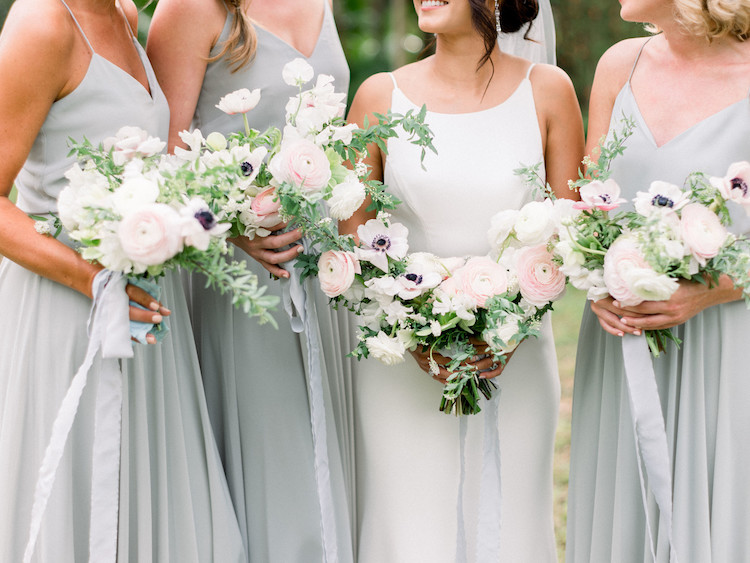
528, 72
637, 57
78, 25
393, 79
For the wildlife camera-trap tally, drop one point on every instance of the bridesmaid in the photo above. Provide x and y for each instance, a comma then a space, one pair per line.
256, 377
688, 90
72, 68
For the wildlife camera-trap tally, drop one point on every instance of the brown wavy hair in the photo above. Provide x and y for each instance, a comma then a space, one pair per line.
514, 14
239, 48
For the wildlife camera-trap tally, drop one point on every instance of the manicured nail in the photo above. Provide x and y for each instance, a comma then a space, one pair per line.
151, 339
620, 334
156, 319
285, 275
164, 311
300, 249
154, 306
637, 333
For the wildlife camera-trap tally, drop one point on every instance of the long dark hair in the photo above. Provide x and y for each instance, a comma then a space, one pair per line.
514, 14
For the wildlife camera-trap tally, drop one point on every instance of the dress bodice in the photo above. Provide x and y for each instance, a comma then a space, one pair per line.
264, 72
448, 204
107, 99
709, 146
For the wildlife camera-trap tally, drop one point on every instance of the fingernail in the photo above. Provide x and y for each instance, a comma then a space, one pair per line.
620, 334
164, 311
616, 303
624, 321
637, 333
285, 275
151, 339
156, 319
154, 306
300, 250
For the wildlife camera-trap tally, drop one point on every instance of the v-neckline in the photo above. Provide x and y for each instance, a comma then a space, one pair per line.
292, 47
685, 132
148, 91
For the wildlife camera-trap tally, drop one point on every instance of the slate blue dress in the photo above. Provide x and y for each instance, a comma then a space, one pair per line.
704, 388
174, 504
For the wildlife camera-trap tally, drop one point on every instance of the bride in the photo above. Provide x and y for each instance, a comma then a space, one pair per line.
491, 113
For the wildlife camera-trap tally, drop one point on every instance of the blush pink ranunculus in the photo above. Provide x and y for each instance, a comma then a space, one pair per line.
302, 163
336, 271
621, 264
479, 279
266, 207
151, 235
702, 231
539, 278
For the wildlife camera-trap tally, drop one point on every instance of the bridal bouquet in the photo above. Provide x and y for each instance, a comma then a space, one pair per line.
674, 233
299, 174
409, 300
138, 212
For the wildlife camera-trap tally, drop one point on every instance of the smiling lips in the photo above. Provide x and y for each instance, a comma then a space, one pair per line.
433, 4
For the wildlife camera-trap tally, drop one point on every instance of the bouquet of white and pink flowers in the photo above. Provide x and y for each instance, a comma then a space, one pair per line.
674, 233
444, 305
137, 212
309, 175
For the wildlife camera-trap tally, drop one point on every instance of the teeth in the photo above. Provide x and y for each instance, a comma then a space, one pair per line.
433, 3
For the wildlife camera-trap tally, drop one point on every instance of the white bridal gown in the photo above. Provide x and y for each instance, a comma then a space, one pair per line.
407, 450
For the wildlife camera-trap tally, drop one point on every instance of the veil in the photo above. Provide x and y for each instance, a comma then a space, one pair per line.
541, 48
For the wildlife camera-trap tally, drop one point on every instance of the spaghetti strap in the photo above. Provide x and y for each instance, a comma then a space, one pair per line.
78, 25
637, 58
528, 72
393, 78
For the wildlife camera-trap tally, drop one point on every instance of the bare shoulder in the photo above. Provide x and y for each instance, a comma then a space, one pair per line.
38, 30
373, 96
194, 14
549, 78
616, 63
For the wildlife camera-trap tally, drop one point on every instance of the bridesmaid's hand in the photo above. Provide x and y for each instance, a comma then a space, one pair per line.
154, 312
689, 300
610, 317
265, 250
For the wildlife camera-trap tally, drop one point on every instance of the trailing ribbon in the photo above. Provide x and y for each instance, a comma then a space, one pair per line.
490, 489
109, 331
304, 319
652, 451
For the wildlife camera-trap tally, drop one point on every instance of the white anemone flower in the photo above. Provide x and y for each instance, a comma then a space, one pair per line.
378, 242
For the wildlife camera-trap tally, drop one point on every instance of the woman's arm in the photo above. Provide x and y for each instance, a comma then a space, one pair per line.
25, 100
562, 126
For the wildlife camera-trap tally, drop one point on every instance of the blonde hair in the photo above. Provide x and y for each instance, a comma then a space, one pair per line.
715, 19
240, 46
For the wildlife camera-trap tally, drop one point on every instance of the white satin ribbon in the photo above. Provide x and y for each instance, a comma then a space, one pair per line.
490, 488
109, 332
309, 320
652, 451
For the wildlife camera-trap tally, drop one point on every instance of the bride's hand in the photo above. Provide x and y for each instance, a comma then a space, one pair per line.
265, 250
481, 362
153, 313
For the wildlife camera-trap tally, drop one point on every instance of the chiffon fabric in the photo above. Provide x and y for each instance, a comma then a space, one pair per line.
256, 377
174, 504
408, 452
703, 389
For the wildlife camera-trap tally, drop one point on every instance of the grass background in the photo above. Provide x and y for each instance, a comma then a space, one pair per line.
566, 319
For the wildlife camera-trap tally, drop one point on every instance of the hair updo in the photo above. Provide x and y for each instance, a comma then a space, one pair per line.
715, 19
514, 14
240, 46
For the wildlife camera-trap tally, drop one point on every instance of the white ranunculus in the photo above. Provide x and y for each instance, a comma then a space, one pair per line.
535, 223
389, 350
151, 235
239, 101
297, 72
506, 333
702, 232
501, 227
650, 286
346, 198
133, 194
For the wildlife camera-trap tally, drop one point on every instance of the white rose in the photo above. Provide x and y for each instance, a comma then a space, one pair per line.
389, 350
346, 198
535, 223
506, 333
134, 194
